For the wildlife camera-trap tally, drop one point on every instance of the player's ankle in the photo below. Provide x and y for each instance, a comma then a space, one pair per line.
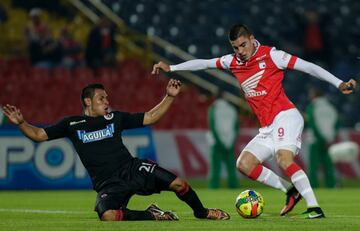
201, 213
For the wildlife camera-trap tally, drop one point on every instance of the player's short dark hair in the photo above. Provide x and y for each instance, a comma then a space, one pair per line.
239, 30
89, 92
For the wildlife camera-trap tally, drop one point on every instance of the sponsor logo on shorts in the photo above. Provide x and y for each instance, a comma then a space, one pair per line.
298, 138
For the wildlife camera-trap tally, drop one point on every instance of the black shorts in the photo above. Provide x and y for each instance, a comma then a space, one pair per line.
140, 177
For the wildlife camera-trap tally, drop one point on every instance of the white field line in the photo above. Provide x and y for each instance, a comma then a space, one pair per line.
41, 211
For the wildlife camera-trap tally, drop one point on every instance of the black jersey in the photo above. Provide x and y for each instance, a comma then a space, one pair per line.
98, 140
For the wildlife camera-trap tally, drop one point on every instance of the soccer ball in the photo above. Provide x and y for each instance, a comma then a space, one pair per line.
249, 204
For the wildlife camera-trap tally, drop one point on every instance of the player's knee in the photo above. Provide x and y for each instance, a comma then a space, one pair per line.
246, 162
108, 215
178, 185
243, 166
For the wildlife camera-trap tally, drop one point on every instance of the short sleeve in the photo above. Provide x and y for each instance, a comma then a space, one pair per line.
131, 120
58, 130
282, 59
224, 62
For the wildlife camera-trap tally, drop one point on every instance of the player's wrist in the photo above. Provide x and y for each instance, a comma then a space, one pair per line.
340, 85
171, 96
21, 122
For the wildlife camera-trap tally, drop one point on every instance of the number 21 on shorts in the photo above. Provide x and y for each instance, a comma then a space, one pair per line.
147, 167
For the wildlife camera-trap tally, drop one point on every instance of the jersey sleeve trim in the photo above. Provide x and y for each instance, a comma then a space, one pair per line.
282, 59
292, 62
218, 64
224, 62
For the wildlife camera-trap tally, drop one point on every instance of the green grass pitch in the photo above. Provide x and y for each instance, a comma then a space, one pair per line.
72, 210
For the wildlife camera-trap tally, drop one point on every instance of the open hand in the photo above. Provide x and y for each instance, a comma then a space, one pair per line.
13, 114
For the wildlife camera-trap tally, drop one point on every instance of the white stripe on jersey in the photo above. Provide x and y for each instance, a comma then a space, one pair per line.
251, 83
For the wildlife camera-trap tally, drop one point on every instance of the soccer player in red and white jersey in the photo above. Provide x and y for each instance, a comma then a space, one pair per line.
260, 71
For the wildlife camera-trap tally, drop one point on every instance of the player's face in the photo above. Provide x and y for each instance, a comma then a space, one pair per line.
99, 103
244, 47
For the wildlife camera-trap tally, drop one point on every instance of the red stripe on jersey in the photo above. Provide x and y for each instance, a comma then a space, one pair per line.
291, 63
218, 64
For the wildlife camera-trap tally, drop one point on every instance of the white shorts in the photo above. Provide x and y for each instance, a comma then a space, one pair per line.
284, 133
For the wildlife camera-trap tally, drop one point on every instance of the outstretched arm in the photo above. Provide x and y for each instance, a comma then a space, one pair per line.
16, 117
320, 73
192, 65
284, 60
156, 113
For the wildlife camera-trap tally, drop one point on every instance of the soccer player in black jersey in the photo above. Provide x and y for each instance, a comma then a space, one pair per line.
116, 175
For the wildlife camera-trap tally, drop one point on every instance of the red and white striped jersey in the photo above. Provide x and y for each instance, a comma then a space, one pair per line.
260, 79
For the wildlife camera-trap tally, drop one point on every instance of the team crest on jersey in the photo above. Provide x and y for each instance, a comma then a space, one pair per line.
105, 133
251, 83
262, 64
109, 116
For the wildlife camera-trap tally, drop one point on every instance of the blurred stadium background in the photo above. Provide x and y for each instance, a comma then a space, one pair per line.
47, 87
